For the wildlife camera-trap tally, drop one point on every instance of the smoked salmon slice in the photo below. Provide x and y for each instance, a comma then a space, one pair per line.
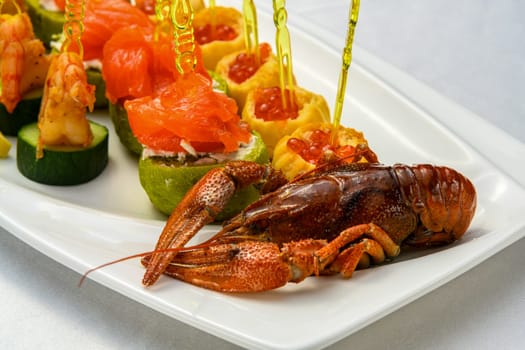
187, 117
135, 65
103, 18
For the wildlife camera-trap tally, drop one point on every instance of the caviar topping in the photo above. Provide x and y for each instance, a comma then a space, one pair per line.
317, 147
207, 33
269, 105
245, 64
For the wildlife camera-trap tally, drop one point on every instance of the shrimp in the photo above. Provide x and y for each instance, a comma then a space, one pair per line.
62, 118
23, 59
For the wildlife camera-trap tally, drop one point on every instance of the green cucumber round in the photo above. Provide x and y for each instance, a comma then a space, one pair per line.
119, 117
219, 83
166, 181
61, 165
94, 77
46, 24
25, 112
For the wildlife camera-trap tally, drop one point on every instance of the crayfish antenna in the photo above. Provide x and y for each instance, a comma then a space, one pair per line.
93, 269
134, 256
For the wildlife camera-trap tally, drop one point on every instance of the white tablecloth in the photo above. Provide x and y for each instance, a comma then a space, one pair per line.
470, 51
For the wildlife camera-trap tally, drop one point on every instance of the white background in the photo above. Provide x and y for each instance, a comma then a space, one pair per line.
470, 51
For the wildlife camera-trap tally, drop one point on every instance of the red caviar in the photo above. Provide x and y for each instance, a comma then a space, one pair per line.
269, 105
245, 64
206, 34
317, 145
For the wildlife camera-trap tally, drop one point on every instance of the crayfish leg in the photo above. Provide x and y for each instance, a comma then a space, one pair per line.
357, 256
368, 238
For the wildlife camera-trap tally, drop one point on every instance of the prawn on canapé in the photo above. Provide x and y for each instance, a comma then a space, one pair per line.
62, 118
23, 59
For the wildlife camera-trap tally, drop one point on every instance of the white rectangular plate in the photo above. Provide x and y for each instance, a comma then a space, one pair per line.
111, 217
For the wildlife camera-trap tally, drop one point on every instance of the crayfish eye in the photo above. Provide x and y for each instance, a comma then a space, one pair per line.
260, 226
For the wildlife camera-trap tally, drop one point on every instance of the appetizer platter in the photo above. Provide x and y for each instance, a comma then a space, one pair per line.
111, 217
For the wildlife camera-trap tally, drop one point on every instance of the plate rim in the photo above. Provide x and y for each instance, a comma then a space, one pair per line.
502, 140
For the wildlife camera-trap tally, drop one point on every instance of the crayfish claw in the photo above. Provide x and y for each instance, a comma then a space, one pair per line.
194, 211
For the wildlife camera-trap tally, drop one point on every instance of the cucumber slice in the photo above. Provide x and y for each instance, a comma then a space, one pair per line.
219, 83
119, 117
46, 23
94, 77
166, 181
24, 113
61, 165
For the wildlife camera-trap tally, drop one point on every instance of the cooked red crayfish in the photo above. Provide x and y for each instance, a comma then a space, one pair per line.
332, 220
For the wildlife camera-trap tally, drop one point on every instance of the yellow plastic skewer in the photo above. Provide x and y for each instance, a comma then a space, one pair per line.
251, 32
74, 25
181, 15
347, 59
162, 14
162, 10
211, 5
284, 53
